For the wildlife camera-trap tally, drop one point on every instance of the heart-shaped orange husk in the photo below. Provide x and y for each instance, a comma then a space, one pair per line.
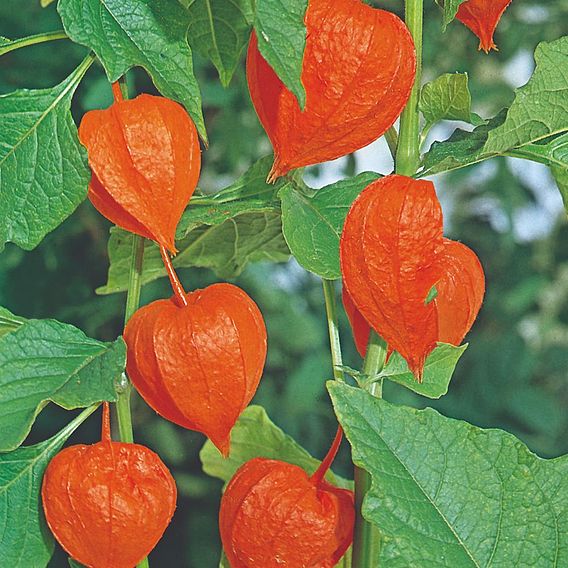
392, 254
198, 365
390, 249
358, 71
109, 503
145, 158
272, 514
482, 17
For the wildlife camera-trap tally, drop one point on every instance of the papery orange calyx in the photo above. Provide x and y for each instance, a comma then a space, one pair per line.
109, 503
358, 71
392, 255
482, 18
197, 361
273, 514
145, 159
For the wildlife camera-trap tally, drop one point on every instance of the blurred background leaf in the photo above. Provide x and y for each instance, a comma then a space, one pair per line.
514, 375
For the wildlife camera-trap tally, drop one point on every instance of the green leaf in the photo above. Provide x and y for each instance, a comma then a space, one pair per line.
553, 153
540, 108
224, 232
26, 541
450, 8
432, 295
46, 3
74, 563
48, 361
530, 129
219, 30
148, 33
281, 35
446, 98
461, 149
448, 494
312, 224
561, 177
43, 168
9, 322
438, 370
255, 435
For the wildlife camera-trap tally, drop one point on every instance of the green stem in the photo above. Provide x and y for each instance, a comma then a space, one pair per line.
132, 303
408, 151
366, 540
366, 537
332, 326
32, 40
391, 136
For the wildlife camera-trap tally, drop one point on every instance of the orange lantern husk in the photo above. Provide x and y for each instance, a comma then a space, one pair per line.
392, 255
358, 70
197, 358
109, 503
273, 514
145, 159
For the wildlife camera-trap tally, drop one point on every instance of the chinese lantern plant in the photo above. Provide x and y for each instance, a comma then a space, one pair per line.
325, 78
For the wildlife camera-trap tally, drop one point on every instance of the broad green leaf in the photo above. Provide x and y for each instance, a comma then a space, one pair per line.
9, 322
460, 150
448, 494
255, 435
312, 224
48, 361
45, 3
43, 168
281, 35
224, 232
148, 33
26, 540
4, 40
446, 98
450, 8
538, 115
219, 30
540, 108
438, 370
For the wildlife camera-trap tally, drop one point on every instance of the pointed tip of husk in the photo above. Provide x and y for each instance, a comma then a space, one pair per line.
487, 46
223, 445
277, 170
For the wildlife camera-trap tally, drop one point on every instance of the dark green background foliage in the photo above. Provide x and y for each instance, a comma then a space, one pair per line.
512, 376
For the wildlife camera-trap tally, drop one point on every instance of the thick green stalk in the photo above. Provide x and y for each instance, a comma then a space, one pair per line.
366, 537
132, 301
332, 326
366, 541
32, 40
408, 151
